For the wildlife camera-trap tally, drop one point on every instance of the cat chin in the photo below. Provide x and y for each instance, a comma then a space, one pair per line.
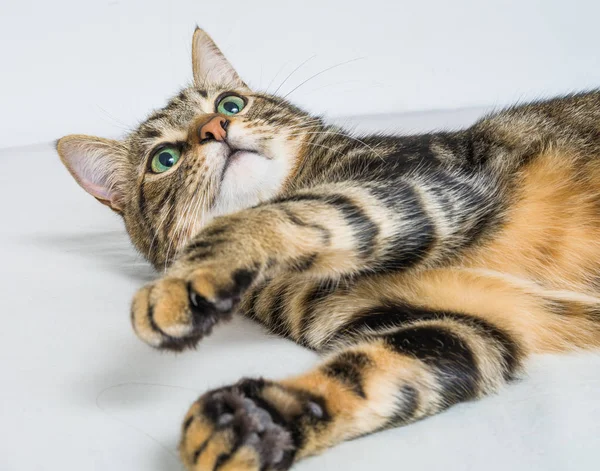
249, 179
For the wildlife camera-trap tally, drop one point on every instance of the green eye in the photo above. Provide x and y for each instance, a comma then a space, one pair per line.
164, 159
231, 104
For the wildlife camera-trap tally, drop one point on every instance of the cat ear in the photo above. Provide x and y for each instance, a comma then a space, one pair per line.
98, 165
210, 66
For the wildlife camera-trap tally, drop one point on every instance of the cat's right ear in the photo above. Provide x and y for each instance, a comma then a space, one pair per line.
98, 165
211, 68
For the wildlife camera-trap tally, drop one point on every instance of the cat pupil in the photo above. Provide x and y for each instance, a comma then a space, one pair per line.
166, 159
231, 107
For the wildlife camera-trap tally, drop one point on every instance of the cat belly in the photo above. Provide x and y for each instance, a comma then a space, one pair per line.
552, 230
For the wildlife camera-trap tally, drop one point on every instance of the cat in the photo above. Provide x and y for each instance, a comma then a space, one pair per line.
425, 268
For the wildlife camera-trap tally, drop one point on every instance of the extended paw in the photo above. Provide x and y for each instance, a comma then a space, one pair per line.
175, 312
252, 425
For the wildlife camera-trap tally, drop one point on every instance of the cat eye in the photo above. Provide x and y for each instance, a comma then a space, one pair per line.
230, 105
164, 159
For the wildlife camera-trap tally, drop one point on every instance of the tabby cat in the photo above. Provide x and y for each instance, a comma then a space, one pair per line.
425, 268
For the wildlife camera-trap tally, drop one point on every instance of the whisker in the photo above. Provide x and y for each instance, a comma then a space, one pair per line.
157, 230
120, 124
319, 73
371, 84
293, 72
335, 131
305, 160
176, 231
274, 77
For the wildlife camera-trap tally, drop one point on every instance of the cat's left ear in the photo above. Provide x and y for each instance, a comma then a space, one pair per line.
211, 69
99, 165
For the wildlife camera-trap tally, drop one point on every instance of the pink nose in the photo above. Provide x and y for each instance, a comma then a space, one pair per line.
214, 129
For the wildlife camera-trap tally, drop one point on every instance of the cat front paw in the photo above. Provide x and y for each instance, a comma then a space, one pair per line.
252, 425
176, 311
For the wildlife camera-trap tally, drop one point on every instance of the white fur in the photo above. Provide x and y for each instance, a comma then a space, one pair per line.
249, 179
252, 176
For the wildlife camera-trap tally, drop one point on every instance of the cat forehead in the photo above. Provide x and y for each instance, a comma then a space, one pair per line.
176, 114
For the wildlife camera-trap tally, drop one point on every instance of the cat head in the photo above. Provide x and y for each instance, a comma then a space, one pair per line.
215, 148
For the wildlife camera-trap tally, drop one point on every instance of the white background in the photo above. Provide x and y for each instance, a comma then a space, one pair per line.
98, 67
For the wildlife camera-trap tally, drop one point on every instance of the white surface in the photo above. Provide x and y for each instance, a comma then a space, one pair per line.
80, 392
71, 66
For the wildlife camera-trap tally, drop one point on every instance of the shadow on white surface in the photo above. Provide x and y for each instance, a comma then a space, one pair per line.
109, 249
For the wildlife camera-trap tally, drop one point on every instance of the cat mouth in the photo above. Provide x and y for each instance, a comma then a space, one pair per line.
234, 155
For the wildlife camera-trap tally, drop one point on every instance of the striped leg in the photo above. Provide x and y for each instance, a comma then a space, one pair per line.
394, 376
329, 232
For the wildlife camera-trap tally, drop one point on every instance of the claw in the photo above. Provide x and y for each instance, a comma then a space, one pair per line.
224, 305
194, 298
225, 419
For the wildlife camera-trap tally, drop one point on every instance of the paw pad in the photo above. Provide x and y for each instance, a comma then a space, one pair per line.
252, 426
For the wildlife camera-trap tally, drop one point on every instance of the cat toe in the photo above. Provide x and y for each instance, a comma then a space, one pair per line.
175, 312
233, 428
164, 316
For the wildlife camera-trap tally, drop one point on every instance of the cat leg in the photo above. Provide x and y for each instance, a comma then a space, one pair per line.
401, 374
326, 233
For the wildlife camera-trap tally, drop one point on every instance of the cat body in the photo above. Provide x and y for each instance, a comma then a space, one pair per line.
426, 269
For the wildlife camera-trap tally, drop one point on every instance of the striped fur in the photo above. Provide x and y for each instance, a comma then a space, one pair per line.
426, 269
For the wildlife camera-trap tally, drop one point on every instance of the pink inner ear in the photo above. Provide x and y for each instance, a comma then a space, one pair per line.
92, 165
91, 172
96, 190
